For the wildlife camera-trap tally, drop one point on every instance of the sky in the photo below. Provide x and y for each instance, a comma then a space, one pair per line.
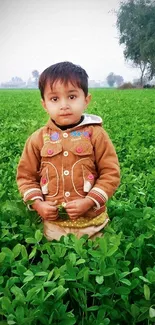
35, 34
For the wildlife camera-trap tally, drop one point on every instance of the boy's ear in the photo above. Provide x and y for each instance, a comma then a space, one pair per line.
43, 105
88, 99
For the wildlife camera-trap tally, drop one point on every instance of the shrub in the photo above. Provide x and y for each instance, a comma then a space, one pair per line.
127, 85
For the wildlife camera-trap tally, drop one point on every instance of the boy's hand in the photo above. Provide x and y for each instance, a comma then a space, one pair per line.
47, 210
78, 207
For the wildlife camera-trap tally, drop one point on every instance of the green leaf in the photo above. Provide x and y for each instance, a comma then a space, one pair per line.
33, 253
60, 292
135, 311
95, 253
19, 313
17, 292
2, 257
16, 250
99, 279
86, 274
38, 235
106, 321
81, 273
93, 308
152, 312
72, 258
28, 273
51, 293
134, 270
123, 274
63, 213
31, 293
42, 273
103, 245
48, 284
144, 279
24, 252
112, 251
6, 304
127, 248
146, 292
126, 281
31, 240
1, 279
50, 275
80, 261
8, 253
122, 290
109, 271
28, 278
78, 243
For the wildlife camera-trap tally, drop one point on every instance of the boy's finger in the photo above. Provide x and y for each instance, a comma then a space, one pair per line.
52, 208
52, 203
70, 205
51, 218
73, 217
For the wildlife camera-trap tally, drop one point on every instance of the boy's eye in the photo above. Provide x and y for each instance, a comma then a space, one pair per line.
72, 96
54, 99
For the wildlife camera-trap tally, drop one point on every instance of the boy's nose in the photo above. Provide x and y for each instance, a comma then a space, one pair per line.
64, 105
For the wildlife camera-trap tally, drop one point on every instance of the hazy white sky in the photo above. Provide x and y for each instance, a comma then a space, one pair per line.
37, 33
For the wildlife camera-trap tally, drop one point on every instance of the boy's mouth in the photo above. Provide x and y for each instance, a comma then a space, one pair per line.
66, 114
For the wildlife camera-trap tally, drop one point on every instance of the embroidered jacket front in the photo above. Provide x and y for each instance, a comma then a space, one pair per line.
66, 165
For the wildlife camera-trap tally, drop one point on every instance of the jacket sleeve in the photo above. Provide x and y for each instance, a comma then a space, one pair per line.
107, 167
27, 171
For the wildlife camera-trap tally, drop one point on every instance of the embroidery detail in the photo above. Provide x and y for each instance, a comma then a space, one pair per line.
86, 134
74, 134
44, 183
54, 136
87, 186
46, 137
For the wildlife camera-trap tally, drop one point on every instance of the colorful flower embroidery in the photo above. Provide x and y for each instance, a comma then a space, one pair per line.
54, 136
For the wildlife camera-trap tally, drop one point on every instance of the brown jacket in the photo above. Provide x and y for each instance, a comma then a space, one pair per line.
66, 165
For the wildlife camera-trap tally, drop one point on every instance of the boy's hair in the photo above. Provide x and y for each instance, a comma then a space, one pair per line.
65, 72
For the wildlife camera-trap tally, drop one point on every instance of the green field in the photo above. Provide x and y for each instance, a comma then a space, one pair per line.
109, 281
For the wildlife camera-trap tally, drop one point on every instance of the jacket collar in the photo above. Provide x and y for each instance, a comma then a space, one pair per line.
88, 119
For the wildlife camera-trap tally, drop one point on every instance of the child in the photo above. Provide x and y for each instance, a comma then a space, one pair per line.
69, 162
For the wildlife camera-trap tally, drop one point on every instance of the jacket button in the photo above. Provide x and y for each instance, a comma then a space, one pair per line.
90, 176
65, 153
44, 181
79, 149
50, 151
66, 172
67, 194
65, 135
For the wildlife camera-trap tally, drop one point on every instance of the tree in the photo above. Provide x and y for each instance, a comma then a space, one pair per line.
136, 26
111, 79
119, 80
35, 75
114, 79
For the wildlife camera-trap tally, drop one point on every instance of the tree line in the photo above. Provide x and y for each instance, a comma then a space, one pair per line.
136, 27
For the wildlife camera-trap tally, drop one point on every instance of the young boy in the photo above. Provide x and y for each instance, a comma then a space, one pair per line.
69, 162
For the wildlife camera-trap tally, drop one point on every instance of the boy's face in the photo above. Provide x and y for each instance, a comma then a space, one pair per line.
64, 103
